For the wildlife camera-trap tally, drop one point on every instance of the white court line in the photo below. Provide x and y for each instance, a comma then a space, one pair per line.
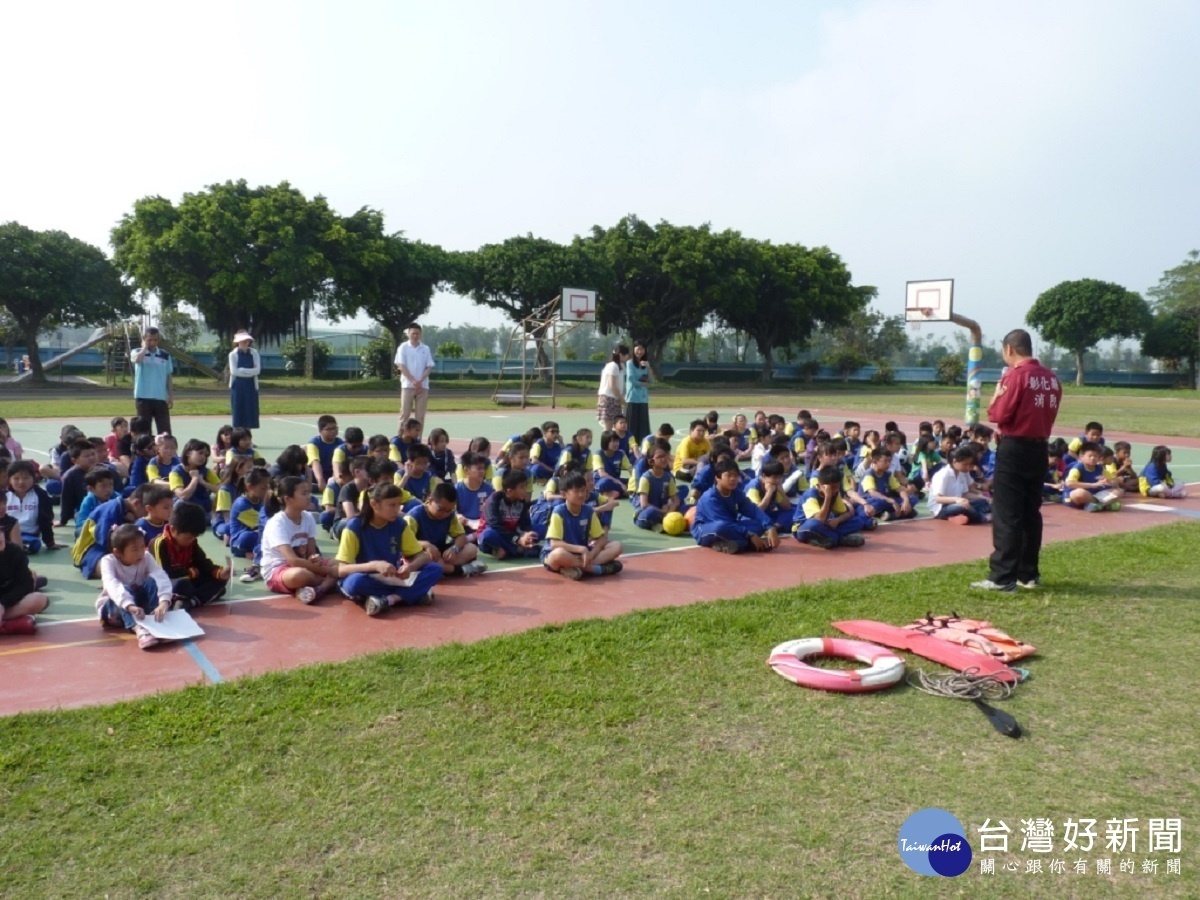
294, 422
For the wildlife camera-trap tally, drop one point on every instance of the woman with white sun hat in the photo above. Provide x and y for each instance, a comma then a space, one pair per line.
244, 368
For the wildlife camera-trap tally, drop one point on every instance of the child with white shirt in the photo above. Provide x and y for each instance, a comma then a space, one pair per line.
133, 584
952, 495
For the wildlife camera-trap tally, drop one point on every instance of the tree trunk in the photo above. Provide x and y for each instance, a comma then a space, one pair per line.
35, 358
768, 362
1196, 368
1078, 368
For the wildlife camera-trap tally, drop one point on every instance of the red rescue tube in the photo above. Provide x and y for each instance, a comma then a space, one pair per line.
884, 668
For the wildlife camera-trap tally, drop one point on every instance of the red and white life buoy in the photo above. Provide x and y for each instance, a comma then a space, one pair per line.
884, 668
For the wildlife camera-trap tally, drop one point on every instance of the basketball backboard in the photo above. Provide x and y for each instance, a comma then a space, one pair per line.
579, 305
929, 301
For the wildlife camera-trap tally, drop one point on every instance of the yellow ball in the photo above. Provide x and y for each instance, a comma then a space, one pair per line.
674, 523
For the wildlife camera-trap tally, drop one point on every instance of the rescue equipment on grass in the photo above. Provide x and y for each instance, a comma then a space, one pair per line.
954, 655
974, 634
884, 668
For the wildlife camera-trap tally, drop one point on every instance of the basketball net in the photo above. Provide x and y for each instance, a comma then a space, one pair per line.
914, 325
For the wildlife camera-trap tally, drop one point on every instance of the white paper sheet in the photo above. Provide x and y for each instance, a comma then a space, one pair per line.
177, 625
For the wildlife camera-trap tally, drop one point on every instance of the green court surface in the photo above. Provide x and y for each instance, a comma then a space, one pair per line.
73, 598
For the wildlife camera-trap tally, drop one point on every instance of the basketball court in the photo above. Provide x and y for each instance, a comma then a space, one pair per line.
72, 661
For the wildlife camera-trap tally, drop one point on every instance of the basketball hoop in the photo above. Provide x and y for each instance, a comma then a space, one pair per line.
922, 314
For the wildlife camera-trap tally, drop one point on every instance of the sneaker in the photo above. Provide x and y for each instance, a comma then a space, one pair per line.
992, 586
572, 572
958, 520
474, 567
611, 568
40, 582
657, 528
423, 600
251, 575
721, 545
374, 605
1092, 507
145, 639
18, 625
1031, 585
1114, 506
306, 595
819, 540
851, 540
884, 516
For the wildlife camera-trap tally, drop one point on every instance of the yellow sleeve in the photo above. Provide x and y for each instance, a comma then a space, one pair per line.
643, 486
497, 483
555, 529
229, 457
595, 530
1072, 475
1074, 446
408, 544
598, 463
175, 479
412, 526
347, 551
893, 483
339, 456
224, 501
213, 478
456, 529
812, 507
754, 495
311, 453
868, 482
394, 454
329, 495
535, 451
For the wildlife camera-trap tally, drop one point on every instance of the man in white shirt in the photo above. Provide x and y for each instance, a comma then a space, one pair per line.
414, 362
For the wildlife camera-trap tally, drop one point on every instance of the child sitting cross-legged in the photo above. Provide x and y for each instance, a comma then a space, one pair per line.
505, 529
20, 599
1156, 479
656, 492
379, 545
1086, 485
288, 547
577, 544
824, 518
133, 584
195, 579
727, 520
439, 531
882, 489
952, 496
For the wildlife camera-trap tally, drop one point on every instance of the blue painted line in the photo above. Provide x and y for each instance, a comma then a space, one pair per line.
1190, 513
205, 664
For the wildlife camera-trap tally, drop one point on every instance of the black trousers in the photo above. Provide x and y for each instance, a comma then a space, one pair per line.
156, 410
1017, 509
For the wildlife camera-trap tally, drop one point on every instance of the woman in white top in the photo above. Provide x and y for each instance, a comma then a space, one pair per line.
611, 396
244, 368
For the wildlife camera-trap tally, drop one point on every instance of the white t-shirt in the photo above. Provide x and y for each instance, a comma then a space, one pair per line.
612, 382
947, 483
281, 531
416, 359
25, 510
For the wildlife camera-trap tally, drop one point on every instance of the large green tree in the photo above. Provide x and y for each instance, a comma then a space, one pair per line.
520, 276
1171, 338
388, 277
1077, 315
49, 279
780, 294
1178, 293
255, 258
656, 281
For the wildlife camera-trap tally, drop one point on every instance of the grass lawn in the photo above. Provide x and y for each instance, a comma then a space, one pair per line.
1120, 409
650, 753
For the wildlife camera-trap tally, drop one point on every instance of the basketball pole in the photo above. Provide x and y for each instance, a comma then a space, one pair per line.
974, 367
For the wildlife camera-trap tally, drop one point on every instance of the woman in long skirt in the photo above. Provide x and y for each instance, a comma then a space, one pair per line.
244, 367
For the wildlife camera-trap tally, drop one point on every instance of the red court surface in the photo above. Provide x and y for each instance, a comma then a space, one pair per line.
77, 663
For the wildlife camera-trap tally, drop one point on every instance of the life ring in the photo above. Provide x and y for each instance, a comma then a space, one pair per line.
884, 668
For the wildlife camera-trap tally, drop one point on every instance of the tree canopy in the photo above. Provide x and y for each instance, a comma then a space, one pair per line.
245, 257
388, 277
780, 294
49, 279
1079, 314
1177, 296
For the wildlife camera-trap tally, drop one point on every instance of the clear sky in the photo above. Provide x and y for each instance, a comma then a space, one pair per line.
1009, 146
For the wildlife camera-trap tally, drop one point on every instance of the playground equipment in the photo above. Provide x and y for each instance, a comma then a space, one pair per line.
117, 352
933, 301
532, 349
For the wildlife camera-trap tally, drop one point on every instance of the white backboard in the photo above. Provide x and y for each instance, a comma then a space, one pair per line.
929, 301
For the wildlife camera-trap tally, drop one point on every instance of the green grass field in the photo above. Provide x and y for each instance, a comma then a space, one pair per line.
653, 753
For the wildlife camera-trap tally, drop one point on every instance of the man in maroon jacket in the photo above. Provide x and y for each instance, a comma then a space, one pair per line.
1024, 408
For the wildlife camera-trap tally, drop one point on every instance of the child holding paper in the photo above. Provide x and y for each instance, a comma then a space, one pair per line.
133, 585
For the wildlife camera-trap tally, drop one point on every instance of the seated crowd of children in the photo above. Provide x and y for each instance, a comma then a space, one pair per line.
405, 513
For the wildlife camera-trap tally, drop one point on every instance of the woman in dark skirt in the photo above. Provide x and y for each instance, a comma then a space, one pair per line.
244, 367
637, 397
